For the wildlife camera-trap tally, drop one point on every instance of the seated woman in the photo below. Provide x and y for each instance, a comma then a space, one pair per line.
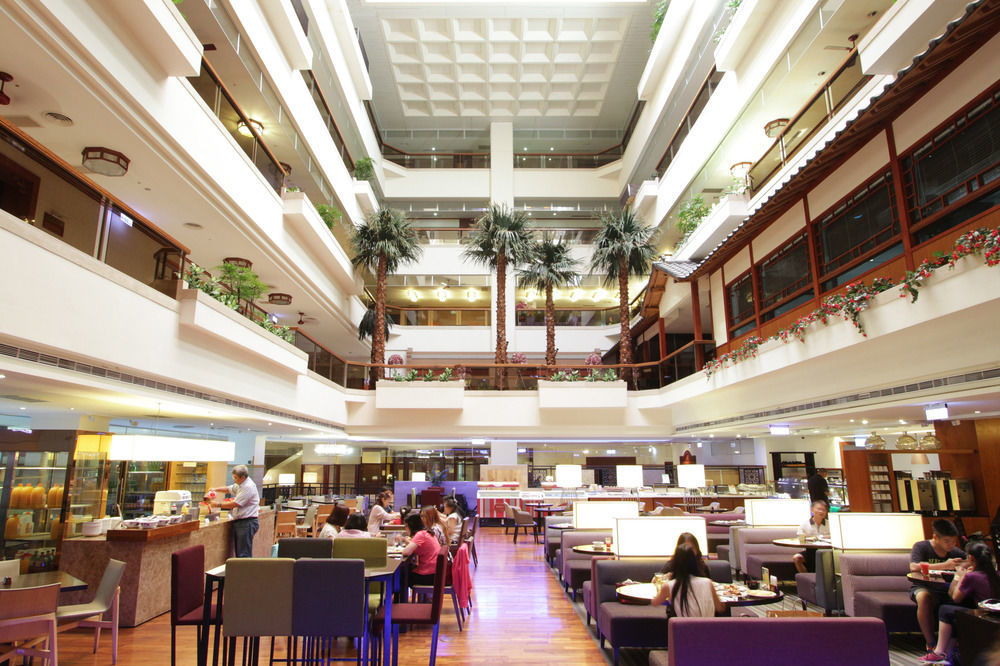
690, 594
975, 580
355, 528
453, 520
816, 526
423, 546
435, 524
381, 513
335, 521
690, 540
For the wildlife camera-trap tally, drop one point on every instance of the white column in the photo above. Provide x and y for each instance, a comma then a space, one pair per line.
503, 452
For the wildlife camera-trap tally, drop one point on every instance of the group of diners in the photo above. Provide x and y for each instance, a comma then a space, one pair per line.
427, 531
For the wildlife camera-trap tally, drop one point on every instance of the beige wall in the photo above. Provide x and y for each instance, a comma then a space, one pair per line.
737, 265
719, 329
778, 232
857, 169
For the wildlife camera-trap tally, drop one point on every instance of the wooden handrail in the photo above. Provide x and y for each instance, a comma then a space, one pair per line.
322, 97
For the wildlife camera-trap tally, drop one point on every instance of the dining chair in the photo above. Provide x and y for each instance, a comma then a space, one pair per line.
425, 613
91, 615
308, 520
329, 600
28, 623
284, 525
323, 512
374, 551
258, 602
523, 519
187, 594
298, 547
457, 584
508, 518
471, 539
10, 569
463, 534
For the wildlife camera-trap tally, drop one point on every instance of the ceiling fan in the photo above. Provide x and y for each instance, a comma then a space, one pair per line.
303, 318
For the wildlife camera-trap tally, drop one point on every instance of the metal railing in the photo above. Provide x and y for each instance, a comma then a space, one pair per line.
319, 99
816, 113
453, 236
435, 160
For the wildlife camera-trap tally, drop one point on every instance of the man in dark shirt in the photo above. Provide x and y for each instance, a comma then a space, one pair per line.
819, 489
940, 553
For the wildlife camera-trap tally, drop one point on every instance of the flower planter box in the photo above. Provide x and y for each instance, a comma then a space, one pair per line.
419, 394
582, 395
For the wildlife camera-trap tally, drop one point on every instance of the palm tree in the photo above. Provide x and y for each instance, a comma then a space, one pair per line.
551, 266
382, 243
623, 247
366, 327
500, 238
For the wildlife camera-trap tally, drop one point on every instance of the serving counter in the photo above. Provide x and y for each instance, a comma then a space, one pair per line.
145, 586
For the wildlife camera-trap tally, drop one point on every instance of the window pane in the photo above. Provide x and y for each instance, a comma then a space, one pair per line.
740, 296
866, 222
785, 273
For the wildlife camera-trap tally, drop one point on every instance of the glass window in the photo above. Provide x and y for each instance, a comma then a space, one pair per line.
739, 295
785, 272
863, 222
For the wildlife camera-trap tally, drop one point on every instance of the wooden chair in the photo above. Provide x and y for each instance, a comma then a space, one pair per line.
308, 524
92, 615
323, 512
28, 623
284, 525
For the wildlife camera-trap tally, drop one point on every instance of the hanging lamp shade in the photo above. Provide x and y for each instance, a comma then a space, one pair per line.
929, 442
875, 441
906, 442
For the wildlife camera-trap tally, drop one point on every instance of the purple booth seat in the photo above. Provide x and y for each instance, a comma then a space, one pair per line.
875, 585
756, 551
765, 641
720, 530
627, 625
575, 567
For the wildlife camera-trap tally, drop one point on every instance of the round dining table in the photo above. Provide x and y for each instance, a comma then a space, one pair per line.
591, 549
934, 580
815, 544
643, 593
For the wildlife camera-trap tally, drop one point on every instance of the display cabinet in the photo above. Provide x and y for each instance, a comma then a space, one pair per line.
140, 483
34, 507
191, 476
869, 477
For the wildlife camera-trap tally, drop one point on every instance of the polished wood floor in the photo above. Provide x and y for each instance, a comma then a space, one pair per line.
520, 616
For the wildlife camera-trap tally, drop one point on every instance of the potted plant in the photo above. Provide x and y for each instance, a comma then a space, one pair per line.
364, 169
690, 215
329, 214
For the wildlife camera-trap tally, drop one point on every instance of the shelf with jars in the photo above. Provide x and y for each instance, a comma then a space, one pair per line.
34, 505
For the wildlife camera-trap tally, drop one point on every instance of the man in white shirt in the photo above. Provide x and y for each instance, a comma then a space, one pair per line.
243, 509
817, 527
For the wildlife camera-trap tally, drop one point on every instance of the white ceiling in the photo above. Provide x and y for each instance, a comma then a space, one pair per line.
463, 65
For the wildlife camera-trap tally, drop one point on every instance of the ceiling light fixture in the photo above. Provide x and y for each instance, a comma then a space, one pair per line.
278, 298
442, 294
599, 295
238, 261
773, 128
936, 412
244, 127
472, 294
105, 161
531, 294
740, 169
929, 441
780, 430
574, 295
412, 295
875, 442
907, 442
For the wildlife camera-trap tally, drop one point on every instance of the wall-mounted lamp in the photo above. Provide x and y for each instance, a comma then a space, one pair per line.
105, 161
574, 295
472, 294
773, 128
243, 127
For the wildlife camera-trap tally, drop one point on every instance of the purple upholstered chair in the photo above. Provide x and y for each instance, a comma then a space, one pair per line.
329, 600
875, 585
187, 593
575, 567
756, 551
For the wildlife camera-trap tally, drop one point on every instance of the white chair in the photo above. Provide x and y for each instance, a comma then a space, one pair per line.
28, 623
92, 614
10, 569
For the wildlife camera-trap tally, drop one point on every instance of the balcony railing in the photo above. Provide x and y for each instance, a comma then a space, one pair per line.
552, 160
451, 236
224, 106
435, 160
816, 113
439, 316
88, 218
319, 99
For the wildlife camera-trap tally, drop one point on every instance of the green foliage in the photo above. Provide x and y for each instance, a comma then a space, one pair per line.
658, 14
283, 332
608, 375
292, 188
328, 214
408, 377
364, 169
623, 237
445, 375
198, 278
413, 375
242, 282
386, 233
691, 213
565, 376
429, 375
551, 264
366, 327
501, 231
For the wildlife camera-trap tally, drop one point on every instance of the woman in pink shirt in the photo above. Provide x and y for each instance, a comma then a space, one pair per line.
423, 549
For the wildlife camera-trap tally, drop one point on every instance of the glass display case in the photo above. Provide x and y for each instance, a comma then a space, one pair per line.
191, 476
34, 503
141, 482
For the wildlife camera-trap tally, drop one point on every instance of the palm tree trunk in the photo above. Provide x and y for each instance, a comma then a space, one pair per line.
378, 335
501, 351
550, 327
625, 345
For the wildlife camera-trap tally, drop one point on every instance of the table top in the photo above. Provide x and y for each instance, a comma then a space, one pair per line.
548, 509
689, 504
560, 526
390, 568
711, 509
638, 593
590, 549
808, 545
728, 523
67, 582
935, 580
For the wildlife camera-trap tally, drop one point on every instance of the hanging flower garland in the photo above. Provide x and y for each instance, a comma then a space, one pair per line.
857, 296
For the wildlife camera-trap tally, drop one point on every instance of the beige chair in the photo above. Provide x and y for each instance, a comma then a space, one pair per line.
10, 569
258, 600
508, 518
671, 511
323, 512
308, 524
28, 623
373, 551
92, 615
284, 525
523, 520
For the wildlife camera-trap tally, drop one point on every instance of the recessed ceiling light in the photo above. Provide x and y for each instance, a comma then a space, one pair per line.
22, 408
902, 422
72, 409
5, 377
269, 423
864, 421
193, 225
58, 118
852, 420
977, 411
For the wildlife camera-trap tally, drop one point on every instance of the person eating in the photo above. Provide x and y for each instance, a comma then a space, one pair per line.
939, 553
817, 526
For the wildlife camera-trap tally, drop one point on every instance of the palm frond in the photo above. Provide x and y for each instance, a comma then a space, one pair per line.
623, 236
500, 231
551, 264
386, 233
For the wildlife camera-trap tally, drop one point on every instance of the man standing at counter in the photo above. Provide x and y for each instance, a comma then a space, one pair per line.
243, 510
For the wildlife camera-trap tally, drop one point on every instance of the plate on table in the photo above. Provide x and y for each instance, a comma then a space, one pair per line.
991, 605
761, 594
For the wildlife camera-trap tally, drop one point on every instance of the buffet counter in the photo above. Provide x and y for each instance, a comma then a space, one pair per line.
491, 501
145, 586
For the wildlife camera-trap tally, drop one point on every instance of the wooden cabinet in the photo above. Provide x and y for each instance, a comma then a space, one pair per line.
869, 475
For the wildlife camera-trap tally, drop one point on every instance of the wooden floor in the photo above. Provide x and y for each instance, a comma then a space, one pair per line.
520, 616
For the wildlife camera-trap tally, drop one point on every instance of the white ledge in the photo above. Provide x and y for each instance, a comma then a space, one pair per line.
717, 225
582, 395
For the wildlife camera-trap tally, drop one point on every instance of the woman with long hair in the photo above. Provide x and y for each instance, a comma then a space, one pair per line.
692, 541
453, 519
381, 513
424, 547
335, 521
690, 595
435, 524
975, 580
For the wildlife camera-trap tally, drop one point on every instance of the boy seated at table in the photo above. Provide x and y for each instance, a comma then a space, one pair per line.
817, 526
939, 553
